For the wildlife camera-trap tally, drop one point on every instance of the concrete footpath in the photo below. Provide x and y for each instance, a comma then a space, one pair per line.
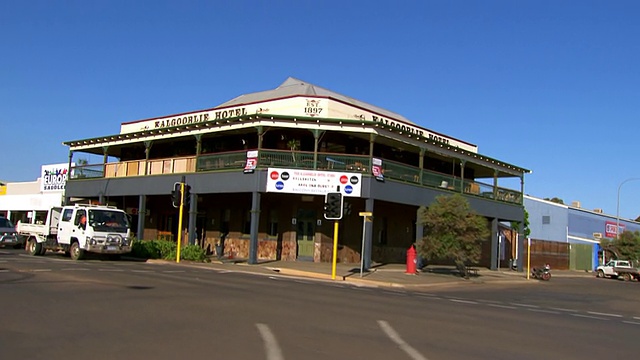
380, 275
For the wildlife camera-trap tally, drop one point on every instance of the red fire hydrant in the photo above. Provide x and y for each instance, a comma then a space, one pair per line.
411, 260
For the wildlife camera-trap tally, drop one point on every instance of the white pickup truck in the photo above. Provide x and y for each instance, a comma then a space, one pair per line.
610, 268
79, 228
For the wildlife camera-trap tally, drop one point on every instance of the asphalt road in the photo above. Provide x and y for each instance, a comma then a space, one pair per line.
55, 308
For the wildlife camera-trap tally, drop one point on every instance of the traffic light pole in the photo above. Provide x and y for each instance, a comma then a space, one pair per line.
335, 249
180, 220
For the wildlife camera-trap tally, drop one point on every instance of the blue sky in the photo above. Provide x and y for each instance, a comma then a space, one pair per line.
552, 86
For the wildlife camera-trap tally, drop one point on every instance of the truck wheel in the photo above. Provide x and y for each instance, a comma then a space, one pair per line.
75, 251
43, 250
33, 247
626, 277
600, 274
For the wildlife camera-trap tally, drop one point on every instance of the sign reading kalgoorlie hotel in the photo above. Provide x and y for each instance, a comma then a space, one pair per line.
303, 106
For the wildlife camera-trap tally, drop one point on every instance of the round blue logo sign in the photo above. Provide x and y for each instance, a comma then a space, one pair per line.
348, 189
279, 185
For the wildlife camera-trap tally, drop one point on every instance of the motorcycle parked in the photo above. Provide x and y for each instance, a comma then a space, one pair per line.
543, 273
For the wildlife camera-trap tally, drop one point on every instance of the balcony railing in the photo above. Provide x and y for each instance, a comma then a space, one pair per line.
234, 161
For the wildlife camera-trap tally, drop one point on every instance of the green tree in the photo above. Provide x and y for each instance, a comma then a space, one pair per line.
452, 230
516, 226
626, 247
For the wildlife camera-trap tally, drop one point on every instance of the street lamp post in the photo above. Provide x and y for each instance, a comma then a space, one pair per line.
618, 204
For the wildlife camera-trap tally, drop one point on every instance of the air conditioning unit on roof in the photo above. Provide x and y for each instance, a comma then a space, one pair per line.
599, 211
597, 235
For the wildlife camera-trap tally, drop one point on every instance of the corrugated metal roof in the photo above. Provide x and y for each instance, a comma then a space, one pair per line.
293, 87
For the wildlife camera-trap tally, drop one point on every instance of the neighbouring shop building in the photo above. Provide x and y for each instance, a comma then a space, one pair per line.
259, 166
568, 236
30, 201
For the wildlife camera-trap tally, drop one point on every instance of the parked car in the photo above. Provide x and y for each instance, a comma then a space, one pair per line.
609, 269
8, 234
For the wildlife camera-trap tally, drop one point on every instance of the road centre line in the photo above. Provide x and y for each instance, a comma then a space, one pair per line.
637, 317
4, 270
111, 270
74, 269
40, 270
565, 310
502, 306
590, 317
141, 271
172, 271
603, 314
463, 301
490, 302
270, 343
544, 311
525, 305
393, 335
631, 322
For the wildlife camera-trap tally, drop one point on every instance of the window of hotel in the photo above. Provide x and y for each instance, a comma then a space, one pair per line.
546, 219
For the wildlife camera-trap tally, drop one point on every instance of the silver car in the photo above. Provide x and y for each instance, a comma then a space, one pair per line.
8, 234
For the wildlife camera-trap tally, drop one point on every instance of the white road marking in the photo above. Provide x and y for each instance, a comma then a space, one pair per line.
637, 317
463, 301
172, 271
3, 270
270, 343
565, 310
142, 271
393, 335
111, 270
525, 305
40, 270
74, 269
590, 317
490, 301
603, 314
544, 311
631, 322
502, 306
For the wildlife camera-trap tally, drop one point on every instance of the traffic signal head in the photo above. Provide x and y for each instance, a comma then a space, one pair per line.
333, 206
347, 208
187, 195
175, 195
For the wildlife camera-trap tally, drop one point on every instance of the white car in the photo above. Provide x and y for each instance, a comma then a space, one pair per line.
608, 269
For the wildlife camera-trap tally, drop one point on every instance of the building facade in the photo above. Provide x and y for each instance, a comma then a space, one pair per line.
259, 166
30, 201
568, 236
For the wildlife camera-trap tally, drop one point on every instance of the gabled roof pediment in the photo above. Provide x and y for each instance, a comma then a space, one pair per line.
295, 87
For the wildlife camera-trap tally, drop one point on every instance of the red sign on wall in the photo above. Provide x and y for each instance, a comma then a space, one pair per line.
611, 230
